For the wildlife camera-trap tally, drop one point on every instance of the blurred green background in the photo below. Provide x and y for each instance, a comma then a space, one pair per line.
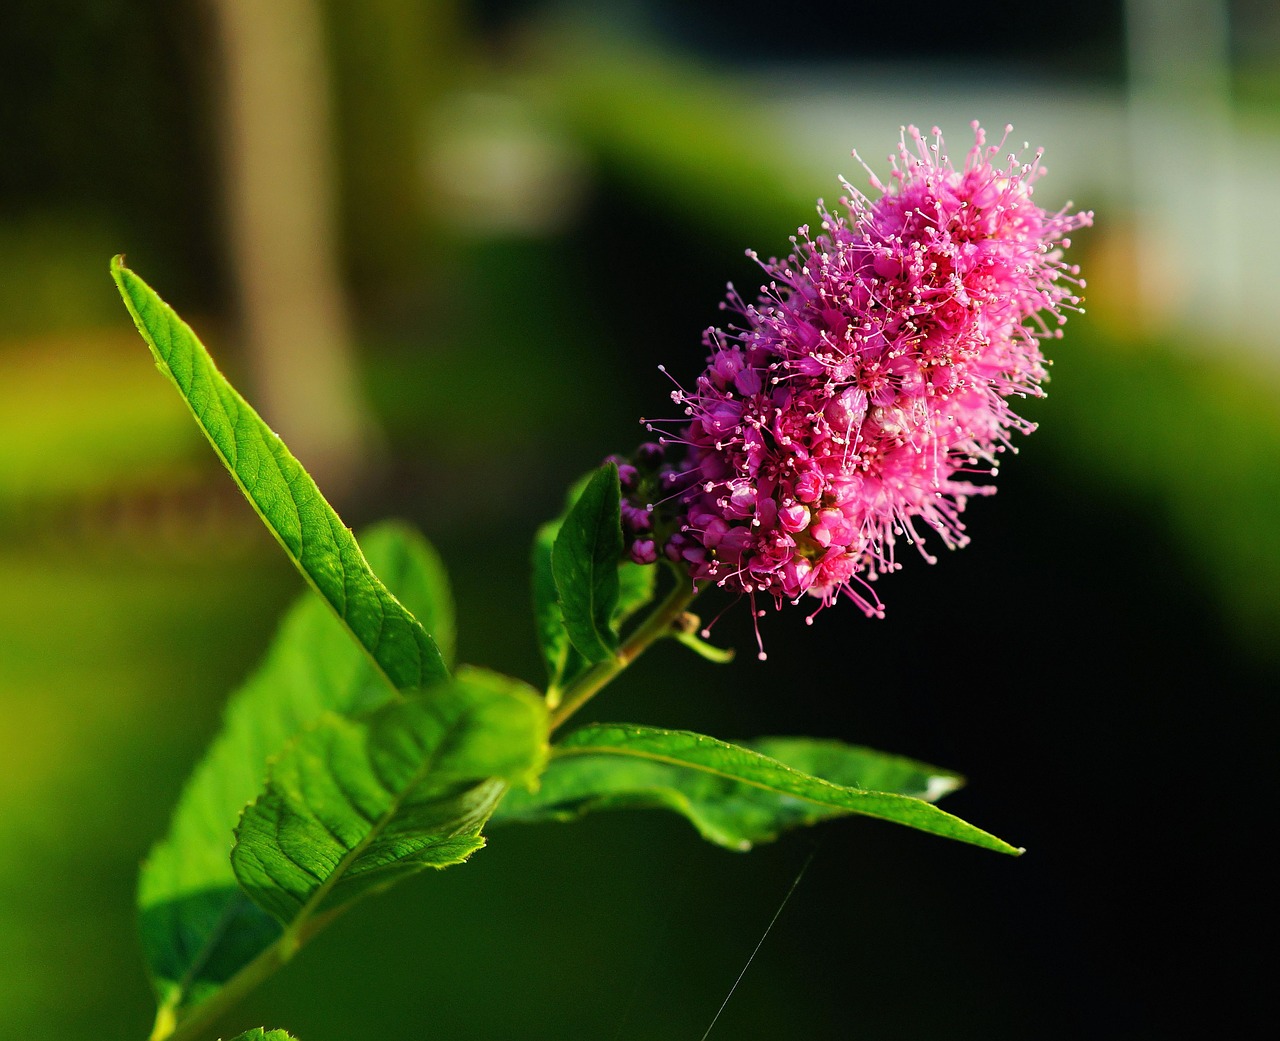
445, 246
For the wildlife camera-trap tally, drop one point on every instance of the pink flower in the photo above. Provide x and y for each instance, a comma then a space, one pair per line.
850, 406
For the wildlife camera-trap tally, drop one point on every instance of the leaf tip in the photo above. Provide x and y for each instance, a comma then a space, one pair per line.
938, 785
998, 845
118, 270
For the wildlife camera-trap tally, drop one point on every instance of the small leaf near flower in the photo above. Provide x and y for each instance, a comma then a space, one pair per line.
584, 565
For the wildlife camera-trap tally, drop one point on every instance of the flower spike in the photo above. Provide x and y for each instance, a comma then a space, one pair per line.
848, 407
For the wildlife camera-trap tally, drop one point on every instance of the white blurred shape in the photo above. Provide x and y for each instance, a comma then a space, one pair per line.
492, 167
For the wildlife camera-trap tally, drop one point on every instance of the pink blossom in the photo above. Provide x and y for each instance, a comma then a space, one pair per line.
851, 405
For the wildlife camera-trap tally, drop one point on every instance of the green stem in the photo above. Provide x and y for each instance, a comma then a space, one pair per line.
663, 622
168, 1027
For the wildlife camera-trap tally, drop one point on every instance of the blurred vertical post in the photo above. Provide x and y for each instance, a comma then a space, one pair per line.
277, 172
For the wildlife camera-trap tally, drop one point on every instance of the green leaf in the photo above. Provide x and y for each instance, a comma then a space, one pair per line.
693, 640
284, 495
856, 766
584, 565
262, 1034
563, 663
635, 590
354, 805
421, 581
636, 584
737, 796
198, 927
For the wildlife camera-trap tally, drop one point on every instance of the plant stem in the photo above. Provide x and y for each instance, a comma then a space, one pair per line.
663, 622
168, 1027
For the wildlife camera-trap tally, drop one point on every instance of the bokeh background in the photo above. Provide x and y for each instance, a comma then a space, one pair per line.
444, 245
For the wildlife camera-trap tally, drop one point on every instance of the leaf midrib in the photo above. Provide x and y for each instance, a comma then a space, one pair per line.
233, 470
819, 782
564, 751
376, 828
164, 356
594, 573
596, 578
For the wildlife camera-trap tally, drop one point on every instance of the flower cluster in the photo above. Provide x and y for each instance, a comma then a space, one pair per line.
849, 407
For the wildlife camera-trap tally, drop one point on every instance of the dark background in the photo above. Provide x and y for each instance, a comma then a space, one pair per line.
1101, 662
